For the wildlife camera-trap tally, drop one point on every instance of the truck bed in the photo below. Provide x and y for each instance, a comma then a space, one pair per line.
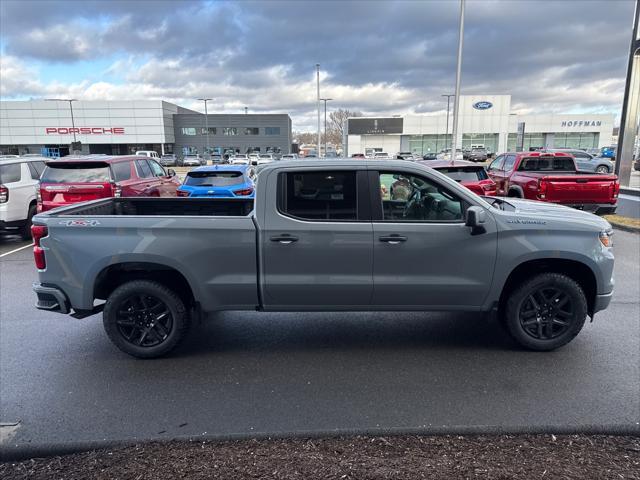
174, 207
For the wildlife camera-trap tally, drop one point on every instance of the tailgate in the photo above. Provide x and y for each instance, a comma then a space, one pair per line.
580, 189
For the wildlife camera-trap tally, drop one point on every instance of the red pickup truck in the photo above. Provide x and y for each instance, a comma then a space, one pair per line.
553, 177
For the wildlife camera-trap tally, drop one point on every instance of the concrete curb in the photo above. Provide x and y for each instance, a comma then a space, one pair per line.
24, 452
621, 226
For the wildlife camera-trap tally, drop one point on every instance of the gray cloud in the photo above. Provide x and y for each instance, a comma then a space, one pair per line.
380, 57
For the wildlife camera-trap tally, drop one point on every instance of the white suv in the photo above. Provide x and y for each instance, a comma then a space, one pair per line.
19, 177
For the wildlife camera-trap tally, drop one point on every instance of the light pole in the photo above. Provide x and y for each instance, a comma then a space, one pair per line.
447, 130
318, 105
325, 100
456, 105
206, 121
70, 100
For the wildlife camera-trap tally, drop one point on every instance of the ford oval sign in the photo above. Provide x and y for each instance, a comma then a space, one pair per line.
482, 105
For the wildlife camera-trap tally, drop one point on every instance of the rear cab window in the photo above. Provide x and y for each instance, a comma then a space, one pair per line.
10, 173
214, 179
547, 164
319, 195
76, 172
121, 171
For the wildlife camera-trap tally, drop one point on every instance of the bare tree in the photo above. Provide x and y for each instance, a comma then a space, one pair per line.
335, 124
305, 137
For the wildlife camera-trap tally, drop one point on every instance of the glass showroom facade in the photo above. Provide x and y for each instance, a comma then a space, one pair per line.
581, 140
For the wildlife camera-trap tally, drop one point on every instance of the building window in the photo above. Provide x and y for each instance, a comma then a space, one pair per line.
532, 141
212, 131
252, 131
576, 140
230, 131
487, 140
272, 130
188, 131
422, 144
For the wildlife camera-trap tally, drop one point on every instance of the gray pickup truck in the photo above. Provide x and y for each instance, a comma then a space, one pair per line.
324, 235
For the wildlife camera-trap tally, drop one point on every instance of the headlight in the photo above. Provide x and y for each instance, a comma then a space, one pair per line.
606, 238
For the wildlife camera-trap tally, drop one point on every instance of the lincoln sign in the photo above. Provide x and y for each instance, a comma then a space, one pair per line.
84, 130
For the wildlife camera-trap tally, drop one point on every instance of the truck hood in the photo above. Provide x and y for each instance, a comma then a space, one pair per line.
554, 211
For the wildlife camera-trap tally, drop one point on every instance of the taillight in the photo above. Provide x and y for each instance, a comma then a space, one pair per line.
4, 194
37, 233
616, 188
182, 193
244, 192
38, 194
116, 190
542, 188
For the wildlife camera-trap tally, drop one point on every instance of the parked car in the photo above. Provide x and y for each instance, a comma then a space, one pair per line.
65, 182
553, 177
253, 158
239, 159
586, 162
148, 153
478, 155
265, 158
18, 180
216, 158
358, 155
193, 161
289, 156
429, 156
636, 164
446, 154
316, 239
219, 181
405, 156
609, 152
472, 176
168, 160
381, 156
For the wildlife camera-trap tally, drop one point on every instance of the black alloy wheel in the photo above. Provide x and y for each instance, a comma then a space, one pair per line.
144, 320
546, 313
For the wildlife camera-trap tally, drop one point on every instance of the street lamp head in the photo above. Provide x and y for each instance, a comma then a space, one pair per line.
60, 100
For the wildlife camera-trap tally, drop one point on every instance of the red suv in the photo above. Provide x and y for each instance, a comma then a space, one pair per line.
469, 174
80, 179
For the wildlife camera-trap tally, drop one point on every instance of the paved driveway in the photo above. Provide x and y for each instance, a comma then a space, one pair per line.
256, 373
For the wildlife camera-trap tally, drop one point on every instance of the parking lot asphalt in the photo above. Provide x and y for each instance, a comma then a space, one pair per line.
250, 373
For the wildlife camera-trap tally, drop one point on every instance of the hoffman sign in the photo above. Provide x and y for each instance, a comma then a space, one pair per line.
85, 131
581, 123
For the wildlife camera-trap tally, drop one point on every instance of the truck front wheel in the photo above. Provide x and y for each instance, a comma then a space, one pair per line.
546, 312
145, 319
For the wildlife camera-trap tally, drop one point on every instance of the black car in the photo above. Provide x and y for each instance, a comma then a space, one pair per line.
429, 156
478, 155
636, 164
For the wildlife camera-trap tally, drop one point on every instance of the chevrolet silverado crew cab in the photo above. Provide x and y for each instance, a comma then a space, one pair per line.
324, 235
553, 177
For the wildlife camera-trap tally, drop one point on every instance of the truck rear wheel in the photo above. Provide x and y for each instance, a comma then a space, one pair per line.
145, 319
546, 312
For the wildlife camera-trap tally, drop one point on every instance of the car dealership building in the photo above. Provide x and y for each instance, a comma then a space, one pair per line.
123, 127
483, 120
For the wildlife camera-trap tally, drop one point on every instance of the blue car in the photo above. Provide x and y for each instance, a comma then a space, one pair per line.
609, 152
219, 181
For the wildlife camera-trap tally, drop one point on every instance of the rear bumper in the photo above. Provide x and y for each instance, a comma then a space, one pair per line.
51, 299
597, 208
12, 224
602, 301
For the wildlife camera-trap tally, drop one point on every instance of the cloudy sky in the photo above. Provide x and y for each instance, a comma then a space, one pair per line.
379, 57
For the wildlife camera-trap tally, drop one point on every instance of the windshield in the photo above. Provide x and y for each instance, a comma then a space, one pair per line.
85, 172
467, 174
214, 179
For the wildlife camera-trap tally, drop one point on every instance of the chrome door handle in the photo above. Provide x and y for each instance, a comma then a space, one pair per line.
285, 239
393, 239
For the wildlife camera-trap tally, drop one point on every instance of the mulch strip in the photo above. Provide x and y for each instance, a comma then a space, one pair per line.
399, 457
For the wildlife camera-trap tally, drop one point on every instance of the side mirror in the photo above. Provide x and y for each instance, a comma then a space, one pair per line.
476, 217
171, 172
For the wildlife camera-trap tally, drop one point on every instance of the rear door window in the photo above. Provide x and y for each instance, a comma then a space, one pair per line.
214, 179
143, 169
76, 172
326, 195
10, 173
121, 171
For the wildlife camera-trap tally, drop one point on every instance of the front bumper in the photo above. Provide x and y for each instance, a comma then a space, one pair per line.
51, 299
602, 301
